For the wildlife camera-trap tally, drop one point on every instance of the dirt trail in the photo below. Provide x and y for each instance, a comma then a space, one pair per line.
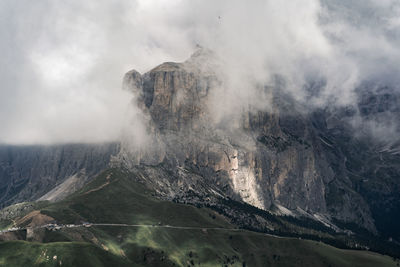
204, 229
35, 218
101, 186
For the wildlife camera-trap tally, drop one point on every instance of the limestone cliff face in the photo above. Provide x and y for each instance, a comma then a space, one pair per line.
267, 159
29, 172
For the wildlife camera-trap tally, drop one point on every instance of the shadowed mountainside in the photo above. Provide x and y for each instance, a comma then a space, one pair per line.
29, 172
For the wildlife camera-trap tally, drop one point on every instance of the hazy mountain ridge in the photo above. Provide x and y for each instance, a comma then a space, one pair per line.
29, 172
365, 140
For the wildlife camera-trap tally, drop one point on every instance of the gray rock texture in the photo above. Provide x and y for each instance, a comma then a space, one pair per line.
29, 172
275, 158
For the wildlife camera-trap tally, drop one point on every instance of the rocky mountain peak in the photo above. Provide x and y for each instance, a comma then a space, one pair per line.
172, 93
273, 159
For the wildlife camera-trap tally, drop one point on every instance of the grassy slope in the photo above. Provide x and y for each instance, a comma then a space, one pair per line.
122, 200
217, 248
22, 253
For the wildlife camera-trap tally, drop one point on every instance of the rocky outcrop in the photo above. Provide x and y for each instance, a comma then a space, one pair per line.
29, 172
274, 158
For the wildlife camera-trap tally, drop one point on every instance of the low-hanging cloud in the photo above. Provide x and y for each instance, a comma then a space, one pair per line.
63, 61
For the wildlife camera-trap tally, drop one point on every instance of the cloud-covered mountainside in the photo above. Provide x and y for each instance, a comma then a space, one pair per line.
285, 170
287, 109
62, 62
287, 158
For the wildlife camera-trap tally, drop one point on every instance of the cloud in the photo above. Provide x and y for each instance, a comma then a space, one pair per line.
63, 61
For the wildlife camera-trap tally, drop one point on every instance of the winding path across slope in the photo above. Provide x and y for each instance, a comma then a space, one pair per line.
58, 227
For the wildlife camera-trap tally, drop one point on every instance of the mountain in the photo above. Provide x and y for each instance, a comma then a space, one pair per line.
203, 183
287, 159
27, 173
364, 138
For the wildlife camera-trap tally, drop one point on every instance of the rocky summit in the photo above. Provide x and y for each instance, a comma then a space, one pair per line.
286, 159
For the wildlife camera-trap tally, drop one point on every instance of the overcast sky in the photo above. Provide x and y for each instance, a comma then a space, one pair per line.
62, 62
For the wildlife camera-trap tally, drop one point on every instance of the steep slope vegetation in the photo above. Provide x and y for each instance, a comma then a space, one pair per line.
139, 229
